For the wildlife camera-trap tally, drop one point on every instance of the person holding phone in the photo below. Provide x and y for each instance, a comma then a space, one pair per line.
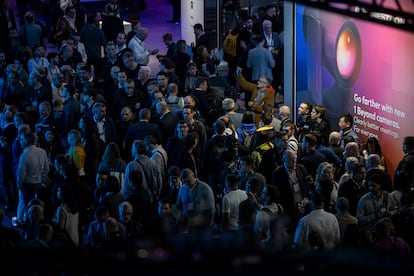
139, 48
262, 93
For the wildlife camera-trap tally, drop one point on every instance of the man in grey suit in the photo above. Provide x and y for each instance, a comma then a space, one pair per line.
260, 60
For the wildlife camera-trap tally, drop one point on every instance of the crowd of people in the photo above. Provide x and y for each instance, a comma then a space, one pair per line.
95, 154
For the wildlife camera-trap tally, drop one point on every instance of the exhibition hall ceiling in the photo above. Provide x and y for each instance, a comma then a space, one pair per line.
395, 13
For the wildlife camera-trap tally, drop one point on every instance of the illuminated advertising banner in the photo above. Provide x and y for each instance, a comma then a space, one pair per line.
360, 67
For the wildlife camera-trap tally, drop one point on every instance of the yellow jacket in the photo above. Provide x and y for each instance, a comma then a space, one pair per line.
77, 155
268, 98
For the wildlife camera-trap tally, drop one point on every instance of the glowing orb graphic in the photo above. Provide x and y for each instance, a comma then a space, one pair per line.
347, 53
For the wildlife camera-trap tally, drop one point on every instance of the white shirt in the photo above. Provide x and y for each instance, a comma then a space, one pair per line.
68, 222
32, 163
101, 129
36, 62
230, 204
321, 222
139, 49
118, 49
82, 51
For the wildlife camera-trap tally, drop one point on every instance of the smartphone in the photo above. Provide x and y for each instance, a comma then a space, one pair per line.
14, 221
238, 71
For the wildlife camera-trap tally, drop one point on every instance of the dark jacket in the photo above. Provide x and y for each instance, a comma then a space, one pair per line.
280, 179
174, 146
70, 117
139, 131
168, 124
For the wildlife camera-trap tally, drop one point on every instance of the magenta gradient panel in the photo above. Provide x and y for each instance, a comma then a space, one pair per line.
356, 66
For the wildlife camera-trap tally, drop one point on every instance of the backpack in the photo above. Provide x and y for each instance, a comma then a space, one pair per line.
257, 153
212, 159
230, 45
247, 139
218, 148
173, 105
215, 109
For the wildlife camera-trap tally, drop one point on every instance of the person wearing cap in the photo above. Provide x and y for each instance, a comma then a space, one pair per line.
376, 204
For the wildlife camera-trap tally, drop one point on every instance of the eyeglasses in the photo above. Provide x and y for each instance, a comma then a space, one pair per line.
186, 180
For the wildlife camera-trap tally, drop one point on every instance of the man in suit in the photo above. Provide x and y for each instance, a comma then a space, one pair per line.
105, 124
291, 179
202, 99
141, 129
168, 121
260, 60
202, 38
274, 44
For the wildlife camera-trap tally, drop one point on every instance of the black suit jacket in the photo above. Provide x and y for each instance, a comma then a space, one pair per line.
110, 130
280, 179
168, 123
70, 117
202, 40
139, 131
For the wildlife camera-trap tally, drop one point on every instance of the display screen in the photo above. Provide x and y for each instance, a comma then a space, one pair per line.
360, 67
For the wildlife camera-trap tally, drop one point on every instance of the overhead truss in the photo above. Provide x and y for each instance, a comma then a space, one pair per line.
394, 13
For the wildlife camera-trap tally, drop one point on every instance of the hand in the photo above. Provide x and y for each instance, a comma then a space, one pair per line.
238, 71
252, 197
154, 52
250, 103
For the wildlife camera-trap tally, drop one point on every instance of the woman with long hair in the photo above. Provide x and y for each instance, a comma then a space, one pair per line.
192, 73
76, 151
203, 57
113, 163
372, 146
61, 32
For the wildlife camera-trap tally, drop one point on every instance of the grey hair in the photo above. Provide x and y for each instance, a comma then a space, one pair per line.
266, 23
228, 104
145, 69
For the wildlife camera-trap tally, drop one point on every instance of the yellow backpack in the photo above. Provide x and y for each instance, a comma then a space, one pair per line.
230, 44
